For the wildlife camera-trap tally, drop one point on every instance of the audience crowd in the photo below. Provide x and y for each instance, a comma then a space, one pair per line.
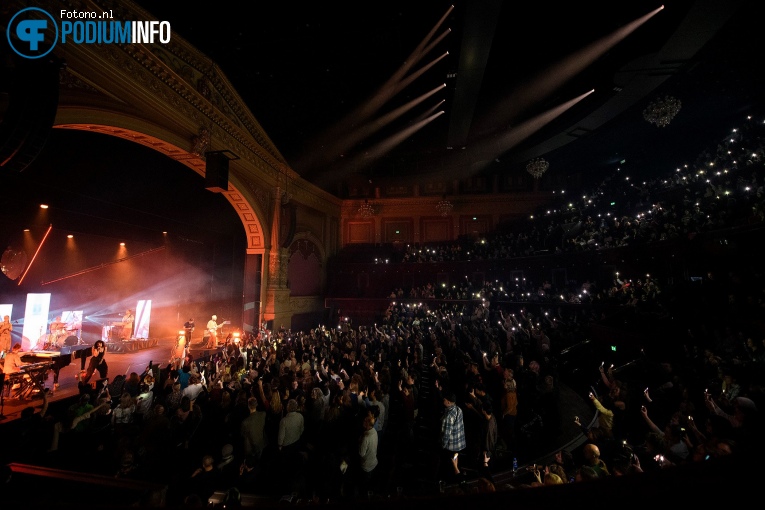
341, 411
724, 188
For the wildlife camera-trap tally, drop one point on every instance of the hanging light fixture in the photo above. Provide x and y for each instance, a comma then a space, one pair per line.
662, 111
537, 167
366, 210
444, 207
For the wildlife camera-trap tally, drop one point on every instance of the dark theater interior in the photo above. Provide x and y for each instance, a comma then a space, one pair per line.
385, 254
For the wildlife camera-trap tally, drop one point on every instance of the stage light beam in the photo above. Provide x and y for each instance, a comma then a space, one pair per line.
50, 227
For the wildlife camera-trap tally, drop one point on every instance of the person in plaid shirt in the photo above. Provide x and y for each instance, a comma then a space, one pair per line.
452, 436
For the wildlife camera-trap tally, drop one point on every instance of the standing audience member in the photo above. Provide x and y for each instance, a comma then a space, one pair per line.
123, 414
291, 429
173, 399
178, 352
253, 430
227, 466
368, 454
673, 444
132, 385
509, 406
194, 389
144, 403
205, 479
452, 437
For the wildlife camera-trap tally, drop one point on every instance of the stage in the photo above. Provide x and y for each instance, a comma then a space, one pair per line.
156, 351
131, 345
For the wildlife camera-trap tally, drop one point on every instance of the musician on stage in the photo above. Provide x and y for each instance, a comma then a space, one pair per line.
97, 362
127, 325
5, 334
211, 334
189, 327
57, 332
13, 363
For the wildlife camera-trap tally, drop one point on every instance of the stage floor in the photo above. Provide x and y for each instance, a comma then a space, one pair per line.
119, 363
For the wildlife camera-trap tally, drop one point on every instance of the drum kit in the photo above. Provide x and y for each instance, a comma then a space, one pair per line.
58, 337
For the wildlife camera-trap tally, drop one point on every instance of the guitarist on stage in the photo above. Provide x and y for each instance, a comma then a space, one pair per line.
211, 335
127, 325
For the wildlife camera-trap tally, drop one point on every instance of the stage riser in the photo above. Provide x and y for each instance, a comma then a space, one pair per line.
131, 345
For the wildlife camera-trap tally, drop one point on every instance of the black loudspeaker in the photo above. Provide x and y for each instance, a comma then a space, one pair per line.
216, 172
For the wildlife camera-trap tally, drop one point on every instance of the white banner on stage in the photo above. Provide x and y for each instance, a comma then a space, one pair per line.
142, 319
35, 321
6, 310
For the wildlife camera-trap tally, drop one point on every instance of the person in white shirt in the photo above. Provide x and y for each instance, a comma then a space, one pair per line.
368, 454
123, 414
291, 427
194, 388
211, 333
144, 402
13, 361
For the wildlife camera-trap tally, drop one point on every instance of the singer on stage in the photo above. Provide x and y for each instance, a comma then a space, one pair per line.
97, 362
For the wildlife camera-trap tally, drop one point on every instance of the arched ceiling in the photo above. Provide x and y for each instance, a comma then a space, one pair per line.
304, 67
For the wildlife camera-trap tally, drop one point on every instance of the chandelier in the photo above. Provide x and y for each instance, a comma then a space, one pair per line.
444, 207
366, 210
537, 167
662, 111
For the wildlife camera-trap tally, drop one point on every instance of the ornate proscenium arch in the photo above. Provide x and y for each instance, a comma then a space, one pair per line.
241, 200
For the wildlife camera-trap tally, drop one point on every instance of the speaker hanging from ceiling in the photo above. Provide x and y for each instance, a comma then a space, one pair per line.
216, 170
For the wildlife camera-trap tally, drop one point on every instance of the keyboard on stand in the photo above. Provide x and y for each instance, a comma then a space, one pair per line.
28, 381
